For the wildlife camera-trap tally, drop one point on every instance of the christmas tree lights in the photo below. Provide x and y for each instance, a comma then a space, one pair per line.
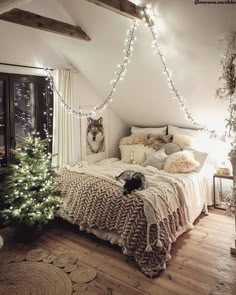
30, 193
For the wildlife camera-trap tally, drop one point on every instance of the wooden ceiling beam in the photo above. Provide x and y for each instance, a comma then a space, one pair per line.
123, 7
32, 20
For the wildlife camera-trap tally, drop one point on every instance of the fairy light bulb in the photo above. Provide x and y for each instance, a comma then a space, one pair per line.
129, 41
150, 24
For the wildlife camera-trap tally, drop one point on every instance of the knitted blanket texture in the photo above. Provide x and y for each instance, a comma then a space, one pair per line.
147, 221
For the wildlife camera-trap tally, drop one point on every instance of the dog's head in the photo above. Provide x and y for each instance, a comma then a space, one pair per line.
131, 185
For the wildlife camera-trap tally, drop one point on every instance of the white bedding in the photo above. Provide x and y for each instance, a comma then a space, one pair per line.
197, 186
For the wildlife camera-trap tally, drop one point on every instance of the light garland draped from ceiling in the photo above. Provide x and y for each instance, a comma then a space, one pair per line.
149, 23
122, 70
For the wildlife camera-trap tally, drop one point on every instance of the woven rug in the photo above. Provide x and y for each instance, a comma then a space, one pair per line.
40, 273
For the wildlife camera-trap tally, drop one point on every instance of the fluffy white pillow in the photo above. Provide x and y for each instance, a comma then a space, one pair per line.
134, 154
156, 131
182, 141
138, 138
155, 159
181, 162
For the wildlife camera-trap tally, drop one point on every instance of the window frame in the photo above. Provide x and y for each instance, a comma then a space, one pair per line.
5, 78
40, 82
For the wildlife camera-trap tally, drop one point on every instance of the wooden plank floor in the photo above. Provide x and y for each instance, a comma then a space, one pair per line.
201, 261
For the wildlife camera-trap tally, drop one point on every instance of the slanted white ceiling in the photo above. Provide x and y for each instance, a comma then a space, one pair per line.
188, 37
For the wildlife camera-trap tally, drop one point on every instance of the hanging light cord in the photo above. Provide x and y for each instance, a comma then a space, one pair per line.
150, 24
121, 71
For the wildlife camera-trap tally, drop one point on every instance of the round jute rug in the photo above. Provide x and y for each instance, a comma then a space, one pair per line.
41, 273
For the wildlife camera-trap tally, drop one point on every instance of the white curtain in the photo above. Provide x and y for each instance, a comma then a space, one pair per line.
66, 126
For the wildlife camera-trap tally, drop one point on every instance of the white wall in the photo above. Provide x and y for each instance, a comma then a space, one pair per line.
86, 97
116, 127
188, 37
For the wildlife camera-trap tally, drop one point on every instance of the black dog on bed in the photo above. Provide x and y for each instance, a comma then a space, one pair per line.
133, 181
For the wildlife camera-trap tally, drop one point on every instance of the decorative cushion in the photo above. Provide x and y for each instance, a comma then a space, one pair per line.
181, 162
133, 154
201, 157
138, 138
126, 151
155, 159
158, 130
171, 148
182, 141
156, 142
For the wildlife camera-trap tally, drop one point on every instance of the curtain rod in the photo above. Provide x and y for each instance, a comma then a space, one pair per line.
23, 66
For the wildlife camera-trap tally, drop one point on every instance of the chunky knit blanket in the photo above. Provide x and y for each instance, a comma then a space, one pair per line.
147, 221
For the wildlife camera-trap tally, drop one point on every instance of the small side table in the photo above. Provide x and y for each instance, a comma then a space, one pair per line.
221, 176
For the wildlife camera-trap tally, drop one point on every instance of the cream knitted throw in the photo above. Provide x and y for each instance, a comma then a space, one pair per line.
147, 221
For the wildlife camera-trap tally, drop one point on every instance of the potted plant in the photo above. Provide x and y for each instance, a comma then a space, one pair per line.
227, 92
30, 196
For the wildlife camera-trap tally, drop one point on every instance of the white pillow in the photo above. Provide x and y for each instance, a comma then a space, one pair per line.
181, 162
134, 154
126, 151
200, 139
156, 131
185, 131
155, 159
216, 149
201, 158
182, 141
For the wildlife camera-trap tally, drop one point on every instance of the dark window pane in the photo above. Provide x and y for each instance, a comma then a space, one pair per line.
24, 102
25, 105
2, 122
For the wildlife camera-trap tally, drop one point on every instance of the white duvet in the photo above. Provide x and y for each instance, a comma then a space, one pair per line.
196, 188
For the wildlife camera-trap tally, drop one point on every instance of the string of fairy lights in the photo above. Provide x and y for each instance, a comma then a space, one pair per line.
120, 73
175, 92
122, 69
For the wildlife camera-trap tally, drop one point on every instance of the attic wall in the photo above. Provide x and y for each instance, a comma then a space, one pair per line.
188, 37
116, 127
87, 97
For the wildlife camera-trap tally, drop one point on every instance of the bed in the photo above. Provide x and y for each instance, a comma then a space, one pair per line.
145, 223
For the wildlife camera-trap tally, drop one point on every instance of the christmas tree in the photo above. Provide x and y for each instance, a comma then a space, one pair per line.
30, 194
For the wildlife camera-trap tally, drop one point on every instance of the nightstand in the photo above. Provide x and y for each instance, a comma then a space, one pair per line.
221, 177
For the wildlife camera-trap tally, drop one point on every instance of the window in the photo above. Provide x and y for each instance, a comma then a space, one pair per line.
4, 127
25, 105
